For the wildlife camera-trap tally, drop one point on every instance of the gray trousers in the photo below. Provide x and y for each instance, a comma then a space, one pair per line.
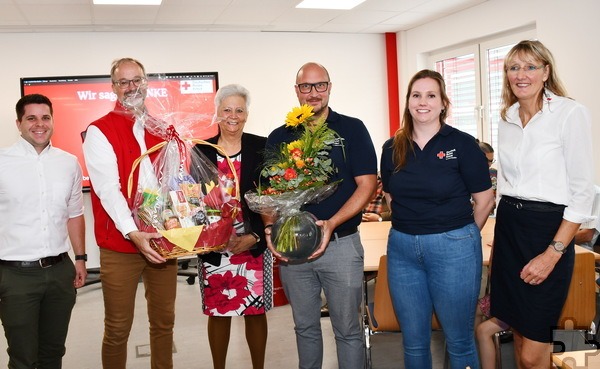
339, 273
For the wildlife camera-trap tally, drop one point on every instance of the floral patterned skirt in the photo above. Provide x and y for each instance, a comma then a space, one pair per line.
240, 285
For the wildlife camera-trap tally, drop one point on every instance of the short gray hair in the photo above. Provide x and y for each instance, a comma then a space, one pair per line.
232, 90
118, 62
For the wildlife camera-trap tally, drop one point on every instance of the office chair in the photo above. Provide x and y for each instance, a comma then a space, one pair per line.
188, 267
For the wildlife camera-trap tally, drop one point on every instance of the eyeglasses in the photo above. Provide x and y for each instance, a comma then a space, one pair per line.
527, 69
124, 83
307, 87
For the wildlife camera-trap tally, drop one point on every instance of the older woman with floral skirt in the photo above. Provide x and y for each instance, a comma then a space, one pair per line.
238, 281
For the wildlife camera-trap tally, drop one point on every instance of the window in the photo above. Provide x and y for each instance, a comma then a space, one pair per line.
460, 76
473, 75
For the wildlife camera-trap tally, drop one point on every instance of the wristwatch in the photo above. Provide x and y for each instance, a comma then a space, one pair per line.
558, 247
81, 257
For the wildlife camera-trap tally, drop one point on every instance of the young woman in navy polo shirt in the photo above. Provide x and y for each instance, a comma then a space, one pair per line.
441, 196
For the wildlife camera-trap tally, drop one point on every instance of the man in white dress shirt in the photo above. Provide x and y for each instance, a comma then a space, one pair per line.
41, 210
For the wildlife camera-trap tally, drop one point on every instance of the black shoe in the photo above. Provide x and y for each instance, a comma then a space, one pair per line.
324, 311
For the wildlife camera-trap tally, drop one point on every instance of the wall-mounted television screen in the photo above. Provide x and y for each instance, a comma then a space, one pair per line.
79, 100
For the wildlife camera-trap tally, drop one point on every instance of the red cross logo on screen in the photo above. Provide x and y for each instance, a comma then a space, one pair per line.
185, 85
441, 155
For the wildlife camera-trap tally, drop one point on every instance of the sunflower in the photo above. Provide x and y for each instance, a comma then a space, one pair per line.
303, 163
299, 115
298, 144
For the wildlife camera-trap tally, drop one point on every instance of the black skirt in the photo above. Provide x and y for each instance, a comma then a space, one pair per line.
524, 229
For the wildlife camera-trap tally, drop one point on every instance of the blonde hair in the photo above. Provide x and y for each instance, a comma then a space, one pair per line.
535, 50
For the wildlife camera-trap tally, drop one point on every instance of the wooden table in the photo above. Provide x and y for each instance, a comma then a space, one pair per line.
577, 359
374, 236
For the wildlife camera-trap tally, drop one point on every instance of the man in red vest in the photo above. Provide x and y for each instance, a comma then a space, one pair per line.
111, 145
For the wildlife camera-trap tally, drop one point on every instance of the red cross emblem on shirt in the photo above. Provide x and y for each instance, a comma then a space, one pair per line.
441, 155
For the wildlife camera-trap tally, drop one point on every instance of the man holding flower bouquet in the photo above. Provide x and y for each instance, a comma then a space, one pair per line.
336, 267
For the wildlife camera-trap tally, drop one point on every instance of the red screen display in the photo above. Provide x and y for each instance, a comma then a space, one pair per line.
185, 100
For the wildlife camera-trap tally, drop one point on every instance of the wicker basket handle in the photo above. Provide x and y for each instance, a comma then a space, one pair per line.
196, 141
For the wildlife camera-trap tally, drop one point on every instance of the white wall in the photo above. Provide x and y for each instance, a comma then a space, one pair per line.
265, 63
570, 29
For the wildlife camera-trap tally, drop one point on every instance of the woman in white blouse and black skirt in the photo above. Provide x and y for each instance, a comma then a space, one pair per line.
545, 180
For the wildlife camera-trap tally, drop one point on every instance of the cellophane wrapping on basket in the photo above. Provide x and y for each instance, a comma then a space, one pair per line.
193, 213
179, 193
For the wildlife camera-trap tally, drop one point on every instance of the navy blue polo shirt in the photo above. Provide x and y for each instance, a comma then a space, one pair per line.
353, 154
432, 193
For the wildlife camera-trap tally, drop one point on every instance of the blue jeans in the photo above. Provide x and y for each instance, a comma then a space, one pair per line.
440, 272
339, 273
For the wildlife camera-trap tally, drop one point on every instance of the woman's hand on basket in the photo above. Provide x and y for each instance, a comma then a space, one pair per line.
142, 242
238, 244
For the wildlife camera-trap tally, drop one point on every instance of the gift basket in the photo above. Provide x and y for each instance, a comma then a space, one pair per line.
180, 193
298, 173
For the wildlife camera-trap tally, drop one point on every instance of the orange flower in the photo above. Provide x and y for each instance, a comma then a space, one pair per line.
300, 164
296, 154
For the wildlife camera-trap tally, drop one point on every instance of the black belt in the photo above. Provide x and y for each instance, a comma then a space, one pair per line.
41, 263
345, 232
543, 207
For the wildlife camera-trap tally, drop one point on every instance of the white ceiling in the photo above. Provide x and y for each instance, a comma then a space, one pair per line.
372, 16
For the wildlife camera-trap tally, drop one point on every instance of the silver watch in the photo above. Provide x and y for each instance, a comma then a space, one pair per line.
558, 247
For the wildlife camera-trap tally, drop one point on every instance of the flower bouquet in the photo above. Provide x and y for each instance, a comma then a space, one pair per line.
179, 192
298, 173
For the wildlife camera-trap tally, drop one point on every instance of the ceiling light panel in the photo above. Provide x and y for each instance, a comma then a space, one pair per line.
127, 2
329, 4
